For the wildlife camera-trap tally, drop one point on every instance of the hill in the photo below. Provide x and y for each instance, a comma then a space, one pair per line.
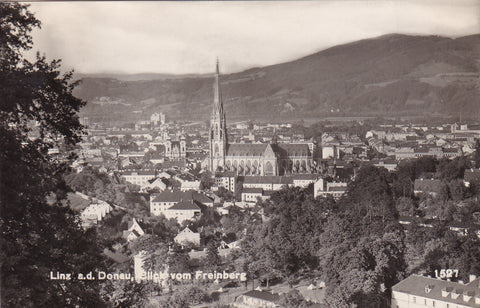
388, 75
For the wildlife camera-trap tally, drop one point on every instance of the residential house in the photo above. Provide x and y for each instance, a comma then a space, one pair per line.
256, 298
138, 177
419, 291
303, 180
389, 164
226, 180
184, 210
160, 202
187, 236
323, 188
267, 182
95, 212
188, 182
159, 184
251, 194
134, 231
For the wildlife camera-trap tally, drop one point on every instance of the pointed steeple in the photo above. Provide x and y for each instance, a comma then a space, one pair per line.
217, 99
218, 129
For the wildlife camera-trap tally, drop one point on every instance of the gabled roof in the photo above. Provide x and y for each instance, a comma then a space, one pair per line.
252, 191
285, 150
225, 174
126, 233
185, 205
186, 230
241, 149
138, 172
135, 226
177, 196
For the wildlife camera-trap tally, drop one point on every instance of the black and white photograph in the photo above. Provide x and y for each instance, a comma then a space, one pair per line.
247, 154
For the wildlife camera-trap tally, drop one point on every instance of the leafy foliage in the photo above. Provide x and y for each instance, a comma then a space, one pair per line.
39, 233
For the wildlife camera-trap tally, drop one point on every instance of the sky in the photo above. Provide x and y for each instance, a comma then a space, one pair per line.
187, 37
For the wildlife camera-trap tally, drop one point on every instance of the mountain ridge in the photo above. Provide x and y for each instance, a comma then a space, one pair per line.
393, 74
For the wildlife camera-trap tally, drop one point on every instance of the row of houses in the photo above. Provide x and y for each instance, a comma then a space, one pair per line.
152, 179
434, 187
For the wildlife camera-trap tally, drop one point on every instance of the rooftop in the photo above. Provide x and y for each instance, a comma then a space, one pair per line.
252, 191
185, 205
436, 289
177, 196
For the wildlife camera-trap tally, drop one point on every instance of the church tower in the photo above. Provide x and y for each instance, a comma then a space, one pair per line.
218, 129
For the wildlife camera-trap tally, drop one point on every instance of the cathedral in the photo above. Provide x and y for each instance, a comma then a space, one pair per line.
251, 159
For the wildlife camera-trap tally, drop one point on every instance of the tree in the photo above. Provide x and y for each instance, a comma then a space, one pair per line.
206, 180
288, 242
213, 257
124, 294
293, 299
451, 169
40, 233
363, 272
186, 297
362, 251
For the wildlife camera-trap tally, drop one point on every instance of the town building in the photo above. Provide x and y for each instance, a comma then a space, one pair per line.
183, 210
226, 180
187, 236
138, 177
187, 182
159, 184
256, 298
418, 291
267, 182
95, 212
134, 231
324, 189
181, 205
251, 194
175, 149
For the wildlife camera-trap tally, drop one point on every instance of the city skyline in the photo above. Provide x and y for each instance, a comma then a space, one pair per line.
187, 37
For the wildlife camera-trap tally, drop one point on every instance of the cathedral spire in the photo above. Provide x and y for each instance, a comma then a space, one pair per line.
217, 100
218, 129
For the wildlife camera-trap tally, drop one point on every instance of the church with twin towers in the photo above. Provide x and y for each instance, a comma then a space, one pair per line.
261, 159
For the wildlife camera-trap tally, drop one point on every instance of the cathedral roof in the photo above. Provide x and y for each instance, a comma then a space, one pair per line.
246, 149
285, 150
269, 179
